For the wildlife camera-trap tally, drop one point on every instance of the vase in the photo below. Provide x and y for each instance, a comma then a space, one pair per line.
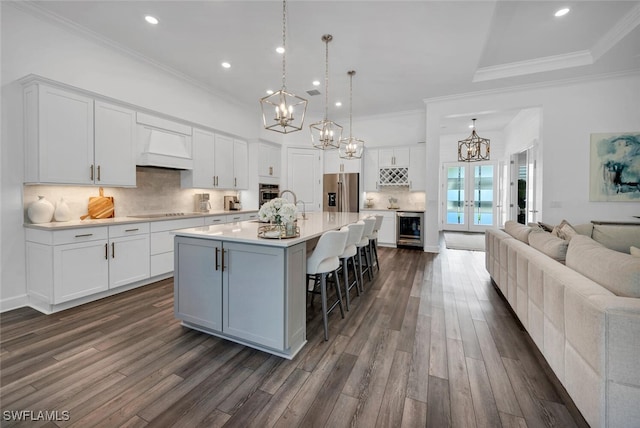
62, 212
40, 211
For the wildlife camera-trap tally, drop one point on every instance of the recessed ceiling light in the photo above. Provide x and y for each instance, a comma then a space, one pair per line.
338, 104
561, 12
226, 65
151, 19
269, 92
280, 49
316, 83
471, 126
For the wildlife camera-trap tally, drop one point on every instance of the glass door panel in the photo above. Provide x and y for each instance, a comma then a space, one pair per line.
455, 204
483, 204
470, 190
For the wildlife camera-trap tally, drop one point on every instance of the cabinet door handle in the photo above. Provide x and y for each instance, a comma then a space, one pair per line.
216, 180
223, 266
106, 251
270, 170
98, 172
235, 182
84, 235
91, 172
217, 265
113, 250
132, 230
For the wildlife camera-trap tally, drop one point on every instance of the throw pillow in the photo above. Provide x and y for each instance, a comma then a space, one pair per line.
564, 230
618, 237
517, 230
617, 272
544, 226
635, 251
552, 246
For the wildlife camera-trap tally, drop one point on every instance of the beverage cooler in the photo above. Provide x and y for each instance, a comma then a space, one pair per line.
409, 229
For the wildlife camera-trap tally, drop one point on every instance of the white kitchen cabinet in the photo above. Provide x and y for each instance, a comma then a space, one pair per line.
396, 157
387, 232
333, 164
70, 139
129, 254
202, 176
161, 242
58, 136
223, 162
240, 164
371, 170
215, 219
417, 165
269, 163
66, 265
114, 145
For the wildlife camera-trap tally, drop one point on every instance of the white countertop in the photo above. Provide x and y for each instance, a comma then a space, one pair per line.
60, 225
247, 231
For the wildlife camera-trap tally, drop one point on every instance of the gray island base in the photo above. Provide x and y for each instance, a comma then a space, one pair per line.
231, 284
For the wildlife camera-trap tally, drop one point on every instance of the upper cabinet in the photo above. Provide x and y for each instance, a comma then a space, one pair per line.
417, 168
62, 146
224, 162
202, 175
334, 164
371, 170
396, 157
269, 156
240, 164
220, 162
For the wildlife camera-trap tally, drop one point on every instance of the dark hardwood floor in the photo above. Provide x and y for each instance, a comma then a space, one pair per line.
430, 343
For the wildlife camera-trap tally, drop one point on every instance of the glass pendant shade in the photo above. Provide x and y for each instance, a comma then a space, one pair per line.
283, 111
474, 148
351, 148
326, 134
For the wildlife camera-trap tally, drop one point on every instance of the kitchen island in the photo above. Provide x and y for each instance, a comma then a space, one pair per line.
230, 283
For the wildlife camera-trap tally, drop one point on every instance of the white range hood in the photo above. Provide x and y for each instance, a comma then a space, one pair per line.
163, 143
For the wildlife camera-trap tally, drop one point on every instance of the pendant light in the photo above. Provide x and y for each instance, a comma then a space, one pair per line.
474, 148
351, 148
326, 134
278, 108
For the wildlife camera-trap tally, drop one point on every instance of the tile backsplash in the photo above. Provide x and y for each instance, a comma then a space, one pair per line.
406, 200
158, 190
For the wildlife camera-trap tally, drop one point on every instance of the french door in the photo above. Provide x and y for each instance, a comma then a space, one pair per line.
469, 190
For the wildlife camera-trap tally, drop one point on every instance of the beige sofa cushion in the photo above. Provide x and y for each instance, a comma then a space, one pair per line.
617, 272
517, 230
616, 236
546, 243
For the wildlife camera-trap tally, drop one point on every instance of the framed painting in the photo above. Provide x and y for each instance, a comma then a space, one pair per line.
614, 172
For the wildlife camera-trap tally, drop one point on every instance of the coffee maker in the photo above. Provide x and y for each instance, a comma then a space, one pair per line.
231, 203
202, 204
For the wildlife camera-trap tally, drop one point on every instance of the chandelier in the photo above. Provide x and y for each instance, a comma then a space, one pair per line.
278, 108
474, 148
326, 134
350, 148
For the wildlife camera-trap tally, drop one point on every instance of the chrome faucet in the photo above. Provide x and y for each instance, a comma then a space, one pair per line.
295, 198
304, 209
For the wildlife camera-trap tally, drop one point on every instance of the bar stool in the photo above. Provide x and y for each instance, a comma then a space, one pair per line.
363, 246
320, 263
373, 241
349, 254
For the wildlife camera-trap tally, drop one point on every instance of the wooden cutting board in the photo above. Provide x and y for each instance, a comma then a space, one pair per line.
100, 207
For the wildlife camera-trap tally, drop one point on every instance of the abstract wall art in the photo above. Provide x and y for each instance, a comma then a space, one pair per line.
615, 167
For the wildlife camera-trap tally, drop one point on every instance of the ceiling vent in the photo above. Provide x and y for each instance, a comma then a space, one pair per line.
313, 92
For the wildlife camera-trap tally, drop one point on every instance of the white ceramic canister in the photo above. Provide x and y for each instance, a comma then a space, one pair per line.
40, 211
62, 212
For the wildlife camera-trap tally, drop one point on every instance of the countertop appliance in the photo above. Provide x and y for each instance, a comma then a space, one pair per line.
267, 192
231, 203
202, 203
409, 225
341, 192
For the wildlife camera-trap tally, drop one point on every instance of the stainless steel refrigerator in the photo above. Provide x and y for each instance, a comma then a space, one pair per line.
341, 192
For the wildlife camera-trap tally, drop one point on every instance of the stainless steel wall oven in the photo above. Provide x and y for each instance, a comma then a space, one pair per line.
267, 192
409, 231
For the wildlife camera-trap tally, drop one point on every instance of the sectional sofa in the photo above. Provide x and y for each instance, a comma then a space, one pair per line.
579, 300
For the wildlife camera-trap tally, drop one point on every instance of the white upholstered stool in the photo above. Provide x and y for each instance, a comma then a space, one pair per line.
349, 254
363, 247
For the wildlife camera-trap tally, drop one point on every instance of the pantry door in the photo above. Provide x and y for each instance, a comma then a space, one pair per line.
469, 190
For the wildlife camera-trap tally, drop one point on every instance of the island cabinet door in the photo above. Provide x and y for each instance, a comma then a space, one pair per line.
198, 282
254, 293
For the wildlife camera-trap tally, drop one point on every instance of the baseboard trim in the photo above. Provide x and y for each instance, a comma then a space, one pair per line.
14, 303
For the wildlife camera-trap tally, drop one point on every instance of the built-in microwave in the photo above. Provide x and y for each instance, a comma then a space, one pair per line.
267, 192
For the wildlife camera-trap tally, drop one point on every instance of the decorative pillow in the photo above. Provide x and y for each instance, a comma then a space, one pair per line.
564, 230
619, 237
635, 251
552, 246
517, 230
615, 271
544, 226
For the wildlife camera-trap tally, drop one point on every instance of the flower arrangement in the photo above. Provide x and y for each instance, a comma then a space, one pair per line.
278, 211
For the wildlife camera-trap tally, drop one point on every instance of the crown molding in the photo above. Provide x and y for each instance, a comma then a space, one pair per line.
538, 65
29, 7
619, 31
552, 83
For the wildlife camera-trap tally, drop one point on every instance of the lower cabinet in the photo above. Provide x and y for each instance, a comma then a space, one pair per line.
262, 306
161, 245
387, 232
128, 254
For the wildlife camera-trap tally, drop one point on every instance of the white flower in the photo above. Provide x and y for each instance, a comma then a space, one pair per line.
278, 210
